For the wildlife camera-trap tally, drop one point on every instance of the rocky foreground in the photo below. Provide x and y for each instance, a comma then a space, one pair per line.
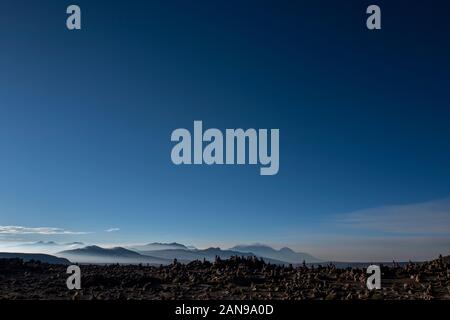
236, 278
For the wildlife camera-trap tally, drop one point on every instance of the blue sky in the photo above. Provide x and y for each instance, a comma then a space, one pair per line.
86, 118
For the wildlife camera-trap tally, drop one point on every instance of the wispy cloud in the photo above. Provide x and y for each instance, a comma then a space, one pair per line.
14, 230
376, 248
112, 230
418, 231
428, 218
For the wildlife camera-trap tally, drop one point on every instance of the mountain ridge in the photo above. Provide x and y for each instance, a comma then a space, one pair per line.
97, 255
283, 254
208, 254
154, 246
44, 258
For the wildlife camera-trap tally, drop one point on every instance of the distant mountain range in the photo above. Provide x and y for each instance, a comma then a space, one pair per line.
157, 253
206, 254
40, 244
156, 246
99, 255
284, 254
47, 246
44, 258
162, 254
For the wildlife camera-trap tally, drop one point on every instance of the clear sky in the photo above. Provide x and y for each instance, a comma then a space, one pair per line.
364, 119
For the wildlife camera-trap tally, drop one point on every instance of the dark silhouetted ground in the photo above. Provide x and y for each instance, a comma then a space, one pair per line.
236, 278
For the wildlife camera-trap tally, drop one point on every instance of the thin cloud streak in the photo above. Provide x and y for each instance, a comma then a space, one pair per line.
428, 218
14, 230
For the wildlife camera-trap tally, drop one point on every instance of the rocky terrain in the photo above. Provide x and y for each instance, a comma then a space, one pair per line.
235, 278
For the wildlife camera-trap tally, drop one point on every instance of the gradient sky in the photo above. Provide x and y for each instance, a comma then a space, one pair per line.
364, 119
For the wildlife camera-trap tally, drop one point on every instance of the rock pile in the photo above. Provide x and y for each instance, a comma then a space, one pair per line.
236, 278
